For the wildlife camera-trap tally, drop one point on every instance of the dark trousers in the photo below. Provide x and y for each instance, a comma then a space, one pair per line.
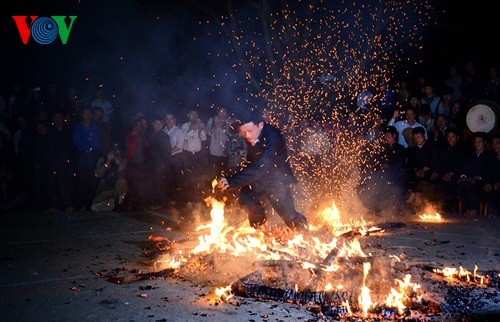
137, 195
86, 179
194, 181
39, 186
470, 194
60, 188
280, 198
493, 202
156, 186
174, 176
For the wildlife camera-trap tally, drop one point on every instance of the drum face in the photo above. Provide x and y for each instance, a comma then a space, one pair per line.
482, 117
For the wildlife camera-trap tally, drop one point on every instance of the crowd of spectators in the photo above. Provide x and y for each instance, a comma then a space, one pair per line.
64, 153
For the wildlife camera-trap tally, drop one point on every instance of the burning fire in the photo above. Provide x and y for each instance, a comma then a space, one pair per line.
224, 293
462, 274
405, 291
310, 252
434, 218
365, 300
331, 218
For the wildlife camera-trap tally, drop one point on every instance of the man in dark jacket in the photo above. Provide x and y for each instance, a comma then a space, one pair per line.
267, 173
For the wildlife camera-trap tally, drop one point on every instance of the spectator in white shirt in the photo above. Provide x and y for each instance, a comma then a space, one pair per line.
405, 125
194, 162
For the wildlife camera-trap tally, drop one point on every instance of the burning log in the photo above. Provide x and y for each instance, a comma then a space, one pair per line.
330, 258
490, 279
281, 263
291, 295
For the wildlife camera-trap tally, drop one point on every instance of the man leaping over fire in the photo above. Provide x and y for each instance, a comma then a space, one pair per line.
267, 173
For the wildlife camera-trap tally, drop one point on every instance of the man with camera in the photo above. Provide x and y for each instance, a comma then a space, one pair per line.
112, 187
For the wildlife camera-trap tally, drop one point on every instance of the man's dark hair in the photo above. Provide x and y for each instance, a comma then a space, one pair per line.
390, 129
98, 108
453, 130
482, 135
418, 130
247, 116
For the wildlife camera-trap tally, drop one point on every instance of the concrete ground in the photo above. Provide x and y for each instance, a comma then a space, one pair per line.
54, 267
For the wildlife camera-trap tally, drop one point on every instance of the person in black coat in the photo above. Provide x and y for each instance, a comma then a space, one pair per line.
422, 160
492, 186
474, 175
266, 174
383, 192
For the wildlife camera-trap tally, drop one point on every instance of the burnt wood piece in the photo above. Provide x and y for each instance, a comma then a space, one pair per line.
290, 295
281, 263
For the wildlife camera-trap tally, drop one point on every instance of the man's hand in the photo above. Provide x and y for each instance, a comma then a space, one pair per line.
223, 184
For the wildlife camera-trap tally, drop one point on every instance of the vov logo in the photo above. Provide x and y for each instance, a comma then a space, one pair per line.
44, 30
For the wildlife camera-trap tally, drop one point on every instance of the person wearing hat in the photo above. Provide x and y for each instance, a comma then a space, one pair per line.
267, 173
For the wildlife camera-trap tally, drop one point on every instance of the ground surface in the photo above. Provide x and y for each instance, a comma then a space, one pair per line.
53, 267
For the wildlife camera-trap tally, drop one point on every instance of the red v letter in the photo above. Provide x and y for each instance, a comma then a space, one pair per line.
23, 28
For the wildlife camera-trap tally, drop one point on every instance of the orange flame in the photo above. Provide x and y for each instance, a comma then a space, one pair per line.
435, 218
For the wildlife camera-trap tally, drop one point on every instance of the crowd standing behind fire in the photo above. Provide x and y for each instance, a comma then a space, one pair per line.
64, 153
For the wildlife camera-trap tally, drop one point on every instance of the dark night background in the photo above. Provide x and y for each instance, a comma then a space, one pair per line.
146, 48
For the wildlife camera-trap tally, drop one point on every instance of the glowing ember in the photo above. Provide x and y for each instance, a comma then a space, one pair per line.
224, 293
436, 217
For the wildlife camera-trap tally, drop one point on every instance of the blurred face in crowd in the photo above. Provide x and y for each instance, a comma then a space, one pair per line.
479, 144
98, 115
58, 120
428, 91
192, 116
41, 129
170, 120
441, 121
410, 116
222, 113
390, 138
419, 138
139, 127
86, 115
250, 132
157, 125
496, 145
452, 139
455, 107
414, 101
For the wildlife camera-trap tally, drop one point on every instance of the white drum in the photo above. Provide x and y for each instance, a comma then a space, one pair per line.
483, 116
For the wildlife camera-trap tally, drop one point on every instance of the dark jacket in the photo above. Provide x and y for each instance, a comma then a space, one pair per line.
394, 163
424, 156
267, 162
477, 165
451, 159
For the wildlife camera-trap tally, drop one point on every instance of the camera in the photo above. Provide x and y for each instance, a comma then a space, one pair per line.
116, 153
